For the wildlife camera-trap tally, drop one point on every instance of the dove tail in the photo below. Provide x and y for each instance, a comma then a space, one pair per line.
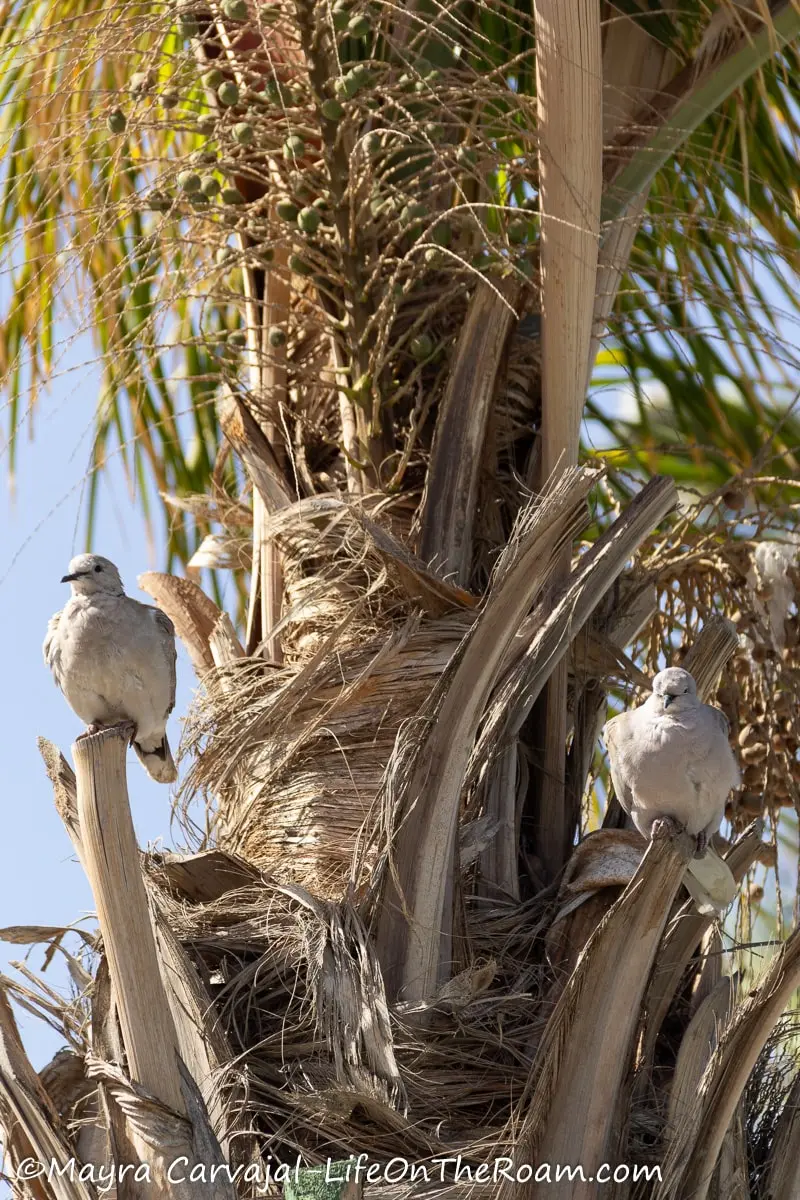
710, 883
158, 761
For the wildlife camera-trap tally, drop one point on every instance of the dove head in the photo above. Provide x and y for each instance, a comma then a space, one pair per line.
91, 573
674, 690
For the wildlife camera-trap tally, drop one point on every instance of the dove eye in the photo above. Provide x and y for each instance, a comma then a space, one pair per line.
98, 568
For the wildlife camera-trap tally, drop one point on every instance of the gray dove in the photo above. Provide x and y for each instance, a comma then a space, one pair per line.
670, 757
114, 660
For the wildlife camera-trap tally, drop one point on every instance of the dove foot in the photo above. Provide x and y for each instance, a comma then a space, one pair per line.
665, 827
702, 844
126, 728
669, 829
90, 731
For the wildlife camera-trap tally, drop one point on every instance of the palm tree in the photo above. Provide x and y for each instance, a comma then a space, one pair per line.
350, 267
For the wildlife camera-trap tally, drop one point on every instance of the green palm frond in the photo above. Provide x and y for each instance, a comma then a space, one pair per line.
80, 246
82, 238
709, 309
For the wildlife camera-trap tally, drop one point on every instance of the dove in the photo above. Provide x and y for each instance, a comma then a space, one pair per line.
114, 660
670, 757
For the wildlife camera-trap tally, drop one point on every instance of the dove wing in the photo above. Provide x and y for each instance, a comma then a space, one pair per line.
719, 717
167, 631
51, 648
615, 732
710, 763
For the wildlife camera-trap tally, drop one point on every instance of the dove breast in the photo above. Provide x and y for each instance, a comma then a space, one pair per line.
678, 765
108, 657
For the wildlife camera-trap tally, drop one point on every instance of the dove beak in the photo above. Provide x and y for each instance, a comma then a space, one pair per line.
69, 578
668, 698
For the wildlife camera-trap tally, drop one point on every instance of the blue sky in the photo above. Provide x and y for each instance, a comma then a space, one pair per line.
42, 526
